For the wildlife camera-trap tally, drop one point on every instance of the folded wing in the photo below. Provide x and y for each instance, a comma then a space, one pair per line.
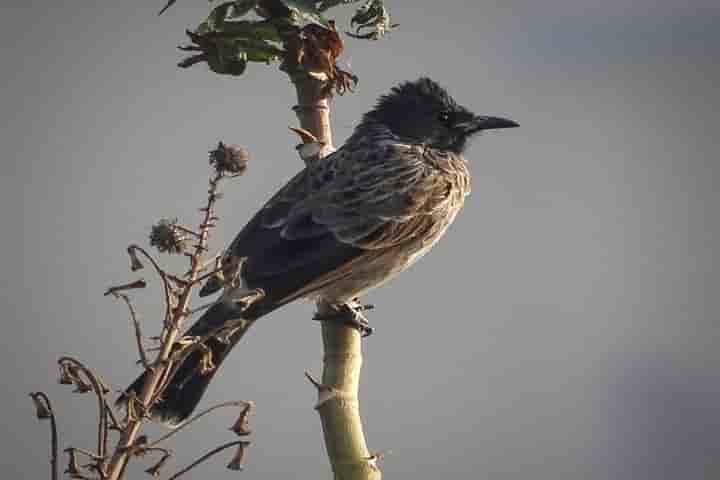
348, 208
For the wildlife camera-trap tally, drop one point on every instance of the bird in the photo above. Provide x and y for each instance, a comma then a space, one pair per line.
342, 226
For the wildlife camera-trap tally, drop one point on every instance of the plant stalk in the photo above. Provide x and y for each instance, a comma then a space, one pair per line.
345, 443
122, 453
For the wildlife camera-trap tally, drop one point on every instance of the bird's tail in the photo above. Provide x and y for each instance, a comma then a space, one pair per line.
188, 384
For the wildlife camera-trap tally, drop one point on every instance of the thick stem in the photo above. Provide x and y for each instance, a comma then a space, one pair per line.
313, 108
340, 414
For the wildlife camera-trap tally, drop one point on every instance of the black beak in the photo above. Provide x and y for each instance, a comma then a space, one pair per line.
489, 123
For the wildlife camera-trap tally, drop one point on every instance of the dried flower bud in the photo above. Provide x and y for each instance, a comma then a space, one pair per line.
42, 408
155, 469
135, 263
166, 238
73, 374
237, 461
229, 159
66, 377
126, 286
81, 386
241, 426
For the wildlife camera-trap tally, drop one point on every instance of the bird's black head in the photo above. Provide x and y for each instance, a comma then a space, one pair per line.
423, 112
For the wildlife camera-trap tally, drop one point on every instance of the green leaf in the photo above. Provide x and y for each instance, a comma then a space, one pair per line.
305, 12
228, 66
220, 15
259, 50
262, 30
241, 8
216, 18
328, 4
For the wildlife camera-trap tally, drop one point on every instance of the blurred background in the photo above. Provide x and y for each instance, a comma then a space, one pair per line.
565, 328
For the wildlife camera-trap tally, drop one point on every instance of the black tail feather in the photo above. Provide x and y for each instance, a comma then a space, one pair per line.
185, 389
188, 385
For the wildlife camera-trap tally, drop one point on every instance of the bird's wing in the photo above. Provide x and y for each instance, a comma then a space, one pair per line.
348, 208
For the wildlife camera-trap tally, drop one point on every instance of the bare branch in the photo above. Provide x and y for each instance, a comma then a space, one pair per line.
100, 390
197, 417
158, 376
126, 286
44, 410
155, 469
163, 277
138, 332
208, 455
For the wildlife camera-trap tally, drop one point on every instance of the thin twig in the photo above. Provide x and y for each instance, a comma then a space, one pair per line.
207, 275
102, 403
163, 276
87, 453
205, 457
136, 325
111, 414
207, 262
126, 286
187, 230
197, 417
54, 470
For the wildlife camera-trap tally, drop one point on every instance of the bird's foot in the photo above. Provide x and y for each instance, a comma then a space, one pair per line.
240, 299
349, 314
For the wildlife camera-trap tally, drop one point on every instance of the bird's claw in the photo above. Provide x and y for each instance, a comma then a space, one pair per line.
349, 314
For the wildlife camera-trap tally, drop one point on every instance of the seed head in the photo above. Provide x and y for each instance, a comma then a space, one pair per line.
229, 159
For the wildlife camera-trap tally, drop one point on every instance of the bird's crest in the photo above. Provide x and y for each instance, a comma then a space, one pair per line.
421, 91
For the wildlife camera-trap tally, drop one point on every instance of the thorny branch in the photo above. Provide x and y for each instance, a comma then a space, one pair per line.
136, 326
160, 371
167, 289
172, 238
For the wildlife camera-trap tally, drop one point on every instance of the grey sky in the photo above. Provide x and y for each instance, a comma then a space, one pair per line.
567, 325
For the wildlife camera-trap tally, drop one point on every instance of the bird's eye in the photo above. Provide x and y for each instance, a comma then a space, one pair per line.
444, 117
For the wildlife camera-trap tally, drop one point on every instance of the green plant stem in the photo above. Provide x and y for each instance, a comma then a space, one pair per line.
342, 360
340, 413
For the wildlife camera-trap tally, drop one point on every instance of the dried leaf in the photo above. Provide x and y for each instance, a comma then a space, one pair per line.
135, 263
237, 461
42, 409
241, 426
373, 15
